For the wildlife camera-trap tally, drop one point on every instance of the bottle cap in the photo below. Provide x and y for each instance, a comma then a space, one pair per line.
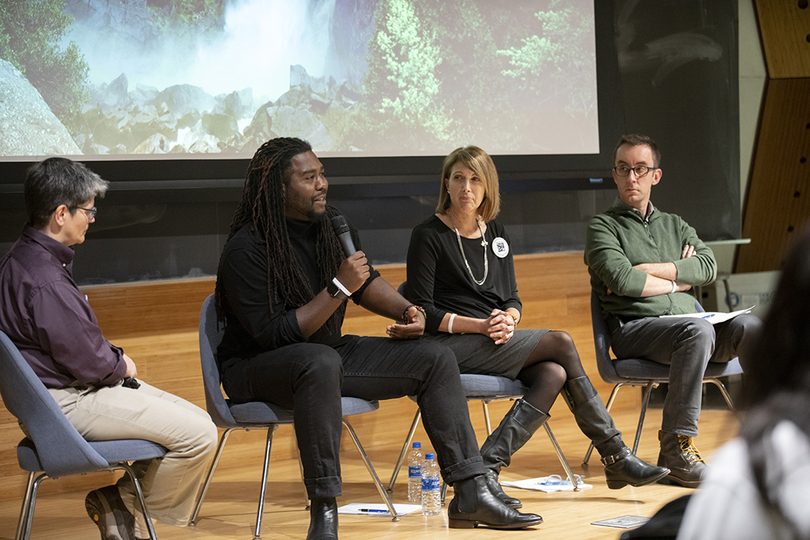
417, 445
429, 456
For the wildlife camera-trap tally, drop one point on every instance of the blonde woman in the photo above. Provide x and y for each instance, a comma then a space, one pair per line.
460, 270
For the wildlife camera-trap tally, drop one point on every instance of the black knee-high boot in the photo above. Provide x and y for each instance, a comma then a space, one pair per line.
621, 466
515, 429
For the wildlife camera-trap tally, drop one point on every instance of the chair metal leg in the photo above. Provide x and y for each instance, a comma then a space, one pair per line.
29, 518
371, 471
612, 396
485, 405
27, 510
404, 452
139, 492
263, 490
207, 484
719, 384
608, 406
645, 401
561, 457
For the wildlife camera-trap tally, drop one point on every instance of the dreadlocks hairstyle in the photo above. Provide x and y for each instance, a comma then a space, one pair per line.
262, 206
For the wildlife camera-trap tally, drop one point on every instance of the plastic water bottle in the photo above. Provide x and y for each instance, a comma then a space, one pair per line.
415, 473
431, 496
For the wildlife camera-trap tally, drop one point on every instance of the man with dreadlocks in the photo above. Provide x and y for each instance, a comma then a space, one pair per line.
281, 291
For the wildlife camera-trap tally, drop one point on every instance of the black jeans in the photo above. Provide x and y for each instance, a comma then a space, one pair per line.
311, 378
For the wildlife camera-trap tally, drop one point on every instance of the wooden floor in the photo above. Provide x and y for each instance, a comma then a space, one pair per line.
230, 508
156, 323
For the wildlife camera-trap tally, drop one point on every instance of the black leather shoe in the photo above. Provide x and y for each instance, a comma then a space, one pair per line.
323, 519
625, 469
474, 505
495, 488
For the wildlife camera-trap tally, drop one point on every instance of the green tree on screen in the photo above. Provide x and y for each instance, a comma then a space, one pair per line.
555, 64
401, 86
29, 38
436, 68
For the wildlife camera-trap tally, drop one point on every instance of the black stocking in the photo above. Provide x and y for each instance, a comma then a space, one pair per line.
553, 361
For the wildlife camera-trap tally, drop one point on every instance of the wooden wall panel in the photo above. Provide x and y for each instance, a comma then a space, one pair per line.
778, 201
785, 29
156, 323
146, 307
779, 193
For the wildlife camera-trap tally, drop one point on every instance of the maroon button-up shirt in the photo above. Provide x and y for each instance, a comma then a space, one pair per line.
48, 318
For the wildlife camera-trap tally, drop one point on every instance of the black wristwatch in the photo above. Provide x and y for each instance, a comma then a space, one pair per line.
335, 292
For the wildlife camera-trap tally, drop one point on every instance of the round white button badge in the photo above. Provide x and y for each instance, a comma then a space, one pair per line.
500, 247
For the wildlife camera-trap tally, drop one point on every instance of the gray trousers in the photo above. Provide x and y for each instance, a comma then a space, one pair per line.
170, 484
687, 345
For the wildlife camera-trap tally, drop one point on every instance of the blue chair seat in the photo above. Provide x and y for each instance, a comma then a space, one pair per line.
113, 452
486, 389
645, 370
259, 413
489, 386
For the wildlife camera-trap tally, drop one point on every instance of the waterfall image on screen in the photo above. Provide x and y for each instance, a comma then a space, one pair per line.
122, 79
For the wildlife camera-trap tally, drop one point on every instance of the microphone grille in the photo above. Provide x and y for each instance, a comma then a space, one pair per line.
340, 225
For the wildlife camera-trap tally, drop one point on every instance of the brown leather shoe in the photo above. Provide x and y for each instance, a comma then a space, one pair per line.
679, 454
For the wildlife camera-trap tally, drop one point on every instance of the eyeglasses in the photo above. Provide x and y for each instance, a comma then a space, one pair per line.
90, 211
640, 170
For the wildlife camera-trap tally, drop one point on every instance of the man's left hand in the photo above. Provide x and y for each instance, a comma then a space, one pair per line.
411, 328
687, 251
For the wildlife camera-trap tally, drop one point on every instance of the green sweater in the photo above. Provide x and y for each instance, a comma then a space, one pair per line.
621, 238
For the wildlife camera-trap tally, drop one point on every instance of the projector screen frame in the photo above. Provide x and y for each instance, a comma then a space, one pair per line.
210, 177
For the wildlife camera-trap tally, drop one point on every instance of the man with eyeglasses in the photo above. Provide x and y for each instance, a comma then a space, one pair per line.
642, 262
94, 382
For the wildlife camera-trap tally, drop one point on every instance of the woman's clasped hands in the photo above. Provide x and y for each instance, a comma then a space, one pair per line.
500, 326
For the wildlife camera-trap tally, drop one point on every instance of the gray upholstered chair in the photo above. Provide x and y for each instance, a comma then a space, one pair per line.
54, 448
258, 415
486, 389
646, 373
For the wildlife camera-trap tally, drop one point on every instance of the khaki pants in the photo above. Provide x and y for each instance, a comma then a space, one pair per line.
170, 484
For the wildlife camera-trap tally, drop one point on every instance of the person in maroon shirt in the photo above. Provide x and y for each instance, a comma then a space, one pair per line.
94, 382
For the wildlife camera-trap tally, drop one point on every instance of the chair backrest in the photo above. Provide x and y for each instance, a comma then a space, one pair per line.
61, 450
601, 342
210, 338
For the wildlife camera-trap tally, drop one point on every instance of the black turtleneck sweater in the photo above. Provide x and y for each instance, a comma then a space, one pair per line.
252, 326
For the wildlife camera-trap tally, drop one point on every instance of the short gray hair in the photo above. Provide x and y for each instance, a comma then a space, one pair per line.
56, 181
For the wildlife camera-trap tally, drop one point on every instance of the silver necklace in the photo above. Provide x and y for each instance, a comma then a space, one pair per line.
484, 244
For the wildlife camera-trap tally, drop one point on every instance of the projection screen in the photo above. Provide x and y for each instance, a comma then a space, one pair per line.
128, 80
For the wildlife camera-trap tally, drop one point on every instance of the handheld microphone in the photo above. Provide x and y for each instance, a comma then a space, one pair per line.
342, 231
